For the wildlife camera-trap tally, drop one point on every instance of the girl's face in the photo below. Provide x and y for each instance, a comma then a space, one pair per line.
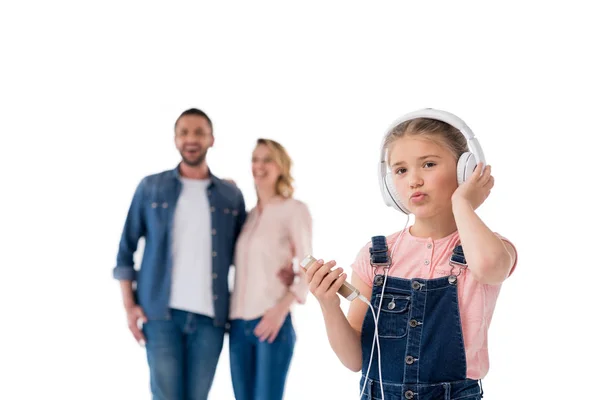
264, 168
424, 174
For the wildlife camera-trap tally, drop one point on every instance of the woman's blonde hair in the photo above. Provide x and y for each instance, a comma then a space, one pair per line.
283, 186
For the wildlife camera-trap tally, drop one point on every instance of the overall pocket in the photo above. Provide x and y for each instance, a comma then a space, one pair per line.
393, 317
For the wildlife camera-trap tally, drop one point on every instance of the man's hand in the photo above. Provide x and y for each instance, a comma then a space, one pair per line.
134, 315
287, 275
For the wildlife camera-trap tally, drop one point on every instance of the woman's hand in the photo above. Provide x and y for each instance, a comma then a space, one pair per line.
270, 323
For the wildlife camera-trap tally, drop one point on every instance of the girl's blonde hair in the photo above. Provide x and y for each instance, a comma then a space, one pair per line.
440, 131
283, 186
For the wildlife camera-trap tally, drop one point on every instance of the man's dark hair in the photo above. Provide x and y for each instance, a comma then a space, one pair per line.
199, 113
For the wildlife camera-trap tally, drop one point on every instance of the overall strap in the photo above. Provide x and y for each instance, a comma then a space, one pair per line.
458, 256
457, 260
379, 252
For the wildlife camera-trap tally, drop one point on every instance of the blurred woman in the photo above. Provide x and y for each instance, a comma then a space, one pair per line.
277, 231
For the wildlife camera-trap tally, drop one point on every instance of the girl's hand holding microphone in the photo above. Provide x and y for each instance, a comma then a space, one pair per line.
325, 282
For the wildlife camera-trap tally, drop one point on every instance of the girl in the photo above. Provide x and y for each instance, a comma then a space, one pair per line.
433, 286
276, 231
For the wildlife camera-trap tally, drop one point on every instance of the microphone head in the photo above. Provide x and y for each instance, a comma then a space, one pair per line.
346, 290
307, 262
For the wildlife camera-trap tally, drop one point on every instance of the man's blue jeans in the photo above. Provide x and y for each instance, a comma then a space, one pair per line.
183, 352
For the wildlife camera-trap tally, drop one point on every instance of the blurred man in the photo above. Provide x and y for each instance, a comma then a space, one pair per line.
190, 220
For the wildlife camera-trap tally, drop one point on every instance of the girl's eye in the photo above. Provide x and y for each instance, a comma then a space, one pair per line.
429, 164
400, 171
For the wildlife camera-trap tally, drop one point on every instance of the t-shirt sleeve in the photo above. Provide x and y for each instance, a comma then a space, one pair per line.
362, 265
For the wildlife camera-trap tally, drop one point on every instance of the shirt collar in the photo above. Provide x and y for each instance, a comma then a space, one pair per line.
177, 175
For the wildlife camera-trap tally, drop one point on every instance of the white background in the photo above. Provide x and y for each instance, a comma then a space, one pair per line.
88, 97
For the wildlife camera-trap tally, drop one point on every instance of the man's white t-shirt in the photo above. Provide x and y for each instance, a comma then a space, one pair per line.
191, 286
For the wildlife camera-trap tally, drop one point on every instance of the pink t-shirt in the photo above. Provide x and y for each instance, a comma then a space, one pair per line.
269, 241
424, 258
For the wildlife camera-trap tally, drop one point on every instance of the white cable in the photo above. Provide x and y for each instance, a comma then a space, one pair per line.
375, 340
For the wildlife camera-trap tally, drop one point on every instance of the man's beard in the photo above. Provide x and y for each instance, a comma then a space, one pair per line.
193, 162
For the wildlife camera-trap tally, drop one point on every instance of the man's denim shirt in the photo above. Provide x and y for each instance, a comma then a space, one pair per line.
151, 216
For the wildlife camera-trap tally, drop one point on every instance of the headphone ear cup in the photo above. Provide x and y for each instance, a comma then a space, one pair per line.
394, 196
465, 167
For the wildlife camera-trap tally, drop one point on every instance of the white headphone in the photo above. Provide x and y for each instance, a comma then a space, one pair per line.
464, 168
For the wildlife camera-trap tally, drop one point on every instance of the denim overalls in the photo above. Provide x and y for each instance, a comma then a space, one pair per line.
420, 335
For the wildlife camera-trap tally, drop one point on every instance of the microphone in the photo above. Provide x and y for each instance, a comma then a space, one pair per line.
346, 290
